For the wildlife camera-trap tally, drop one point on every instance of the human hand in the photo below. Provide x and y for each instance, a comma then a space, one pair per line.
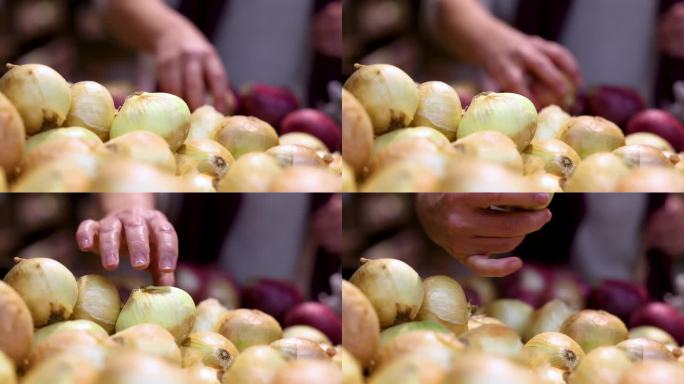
665, 227
327, 30
145, 234
671, 31
189, 66
465, 226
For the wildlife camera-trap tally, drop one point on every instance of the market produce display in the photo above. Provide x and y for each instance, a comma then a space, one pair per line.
61, 137
401, 328
399, 136
57, 329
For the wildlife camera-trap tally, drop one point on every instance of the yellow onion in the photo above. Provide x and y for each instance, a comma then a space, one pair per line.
92, 107
590, 134
205, 122
134, 367
39, 93
62, 369
352, 373
591, 329
545, 182
198, 182
549, 318
406, 176
162, 113
7, 373
150, 339
651, 372
515, 313
144, 146
410, 134
509, 113
249, 327
79, 133
73, 175
47, 287
532, 164
70, 325
600, 172
483, 176
308, 372
493, 339
348, 178
244, 134
559, 158
208, 157
305, 140
13, 136
129, 176
307, 332
306, 179
209, 316
252, 172
16, 325
387, 93
444, 302
401, 150
491, 146
98, 301
644, 349
433, 346
255, 365
357, 133
57, 150
481, 368
439, 107
602, 365
393, 287
553, 348
480, 320
200, 374
652, 179
210, 349
297, 349
69, 341
409, 369
292, 155
652, 333
391, 333
637, 155
360, 324
650, 139
550, 121
169, 307
485, 288
550, 375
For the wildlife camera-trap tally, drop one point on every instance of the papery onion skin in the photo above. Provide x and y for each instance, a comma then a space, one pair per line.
439, 107
480, 320
92, 107
604, 365
391, 333
134, 367
88, 326
150, 339
360, 324
249, 327
556, 349
650, 139
306, 179
16, 325
318, 315
63, 176
549, 318
13, 135
652, 179
406, 176
198, 182
550, 121
444, 302
509, 113
472, 176
592, 329
600, 172
307, 332
210, 349
47, 287
162, 113
357, 133
204, 123
98, 301
57, 151
252, 172
514, 313
652, 333
642, 155
59, 133
588, 135
40, 95
124, 175
65, 368
210, 157
292, 155
305, 140
144, 146
491, 146
393, 287
298, 349
559, 158
309, 372
387, 93
201, 374
401, 150
7, 373
352, 372
644, 349
493, 339
63, 342
409, 369
245, 134
168, 307
209, 316
546, 182
652, 371
482, 368
435, 346
255, 365
316, 123
410, 134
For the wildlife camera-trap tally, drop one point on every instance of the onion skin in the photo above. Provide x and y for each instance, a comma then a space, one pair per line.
305, 140
642, 155
549, 318
444, 302
7, 374
650, 139
201, 374
348, 179
650, 371
410, 369
528, 284
162, 113
79, 133
406, 176
198, 182
64, 176
210, 349
92, 107
661, 123
289, 155
70, 341
473, 176
556, 349
476, 321
391, 333
204, 123
253, 172
306, 179
401, 150
274, 297
299, 349
255, 365
249, 327
618, 297
550, 121
604, 365
150, 339
123, 175
439, 107
588, 135
493, 339
615, 103
360, 323
98, 301
210, 157
316, 123
138, 368
644, 349
12, 136
309, 372
357, 133
481, 368
387, 93
244, 134
65, 368
268, 103
661, 315
434, 346
559, 158
600, 172
491, 146
88, 326
592, 329
209, 316
55, 299
40, 95
56, 151
16, 325
514, 313
317, 315
652, 179
306, 332
351, 369
652, 333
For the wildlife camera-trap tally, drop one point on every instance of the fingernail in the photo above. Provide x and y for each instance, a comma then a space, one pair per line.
85, 242
166, 265
138, 261
542, 197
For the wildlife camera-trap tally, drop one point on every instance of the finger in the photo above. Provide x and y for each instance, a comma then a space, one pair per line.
510, 224
193, 81
170, 74
110, 241
511, 78
85, 235
521, 200
165, 242
218, 82
137, 240
484, 266
494, 245
563, 59
545, 70
164, 278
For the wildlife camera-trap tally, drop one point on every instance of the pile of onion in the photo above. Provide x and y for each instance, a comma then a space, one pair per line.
491, 146
150, 339
13, 135
16, 327
588, 135
445, 303
316, 123
98, 301
592, 329
360, 324
249, 327
252, 172
357, 133
305, 179
439, 107
92, 107
244, 134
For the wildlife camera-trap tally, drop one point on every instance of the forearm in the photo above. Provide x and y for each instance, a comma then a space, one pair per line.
140, 23
113, 202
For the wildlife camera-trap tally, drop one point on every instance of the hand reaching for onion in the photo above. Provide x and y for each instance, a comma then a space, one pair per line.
469, 230
146, 234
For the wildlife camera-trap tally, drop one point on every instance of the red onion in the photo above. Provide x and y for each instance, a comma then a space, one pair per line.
660, 122
268, 103
316, 123
318, 316
529, 284
620, 298
203, 282
661, 315
274, 297
615, 103
567, 287
472, 296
